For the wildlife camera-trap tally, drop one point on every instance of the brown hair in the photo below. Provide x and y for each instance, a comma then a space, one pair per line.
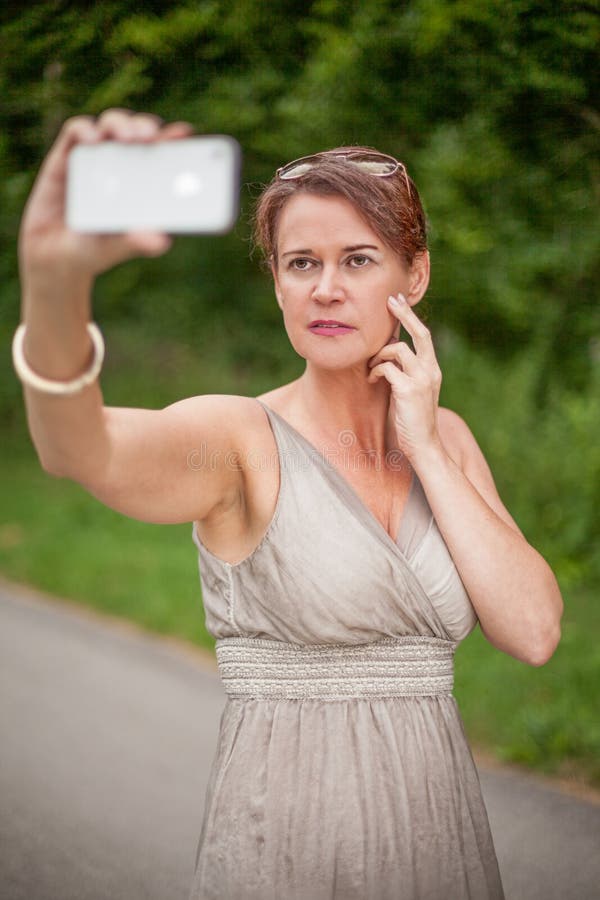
390, 205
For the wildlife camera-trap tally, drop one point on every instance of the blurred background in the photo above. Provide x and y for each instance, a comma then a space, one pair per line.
490, 103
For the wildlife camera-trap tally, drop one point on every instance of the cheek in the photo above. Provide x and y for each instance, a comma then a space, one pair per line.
291, 298
282, 287
293, 314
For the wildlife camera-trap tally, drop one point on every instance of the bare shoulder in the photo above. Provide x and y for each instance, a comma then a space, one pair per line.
240, 424
461, 445
230, 422
235, 434
220, 402
228, 414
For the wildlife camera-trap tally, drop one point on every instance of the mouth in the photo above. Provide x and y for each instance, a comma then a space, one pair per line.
330, 326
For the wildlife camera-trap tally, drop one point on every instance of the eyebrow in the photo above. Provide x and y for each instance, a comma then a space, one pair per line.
351, 249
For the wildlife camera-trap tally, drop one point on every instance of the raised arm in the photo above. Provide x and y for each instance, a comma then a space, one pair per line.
143, 463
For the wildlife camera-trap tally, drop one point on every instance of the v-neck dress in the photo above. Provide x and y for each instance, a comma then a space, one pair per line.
342, 769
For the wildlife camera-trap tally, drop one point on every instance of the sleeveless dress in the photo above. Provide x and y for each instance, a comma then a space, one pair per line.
342, 769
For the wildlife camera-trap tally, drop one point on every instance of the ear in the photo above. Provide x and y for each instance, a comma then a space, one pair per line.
276, 285
418, 278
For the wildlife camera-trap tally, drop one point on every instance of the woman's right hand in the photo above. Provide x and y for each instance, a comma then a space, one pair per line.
50, 250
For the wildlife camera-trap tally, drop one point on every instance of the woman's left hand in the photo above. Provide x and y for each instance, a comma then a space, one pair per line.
415, 379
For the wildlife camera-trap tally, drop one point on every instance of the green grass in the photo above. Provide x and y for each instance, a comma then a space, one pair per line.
545, 718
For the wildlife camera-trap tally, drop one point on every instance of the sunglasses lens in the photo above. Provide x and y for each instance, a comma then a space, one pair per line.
296, 170
375, 167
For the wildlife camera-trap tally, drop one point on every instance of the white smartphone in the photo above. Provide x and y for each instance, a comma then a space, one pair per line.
189, 185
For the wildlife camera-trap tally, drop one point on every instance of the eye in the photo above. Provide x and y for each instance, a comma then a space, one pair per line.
359, 261
300, 264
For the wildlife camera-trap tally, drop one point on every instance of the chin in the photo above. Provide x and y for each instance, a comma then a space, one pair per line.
331, 358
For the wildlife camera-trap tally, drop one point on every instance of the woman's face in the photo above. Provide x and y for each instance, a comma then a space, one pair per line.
333, 266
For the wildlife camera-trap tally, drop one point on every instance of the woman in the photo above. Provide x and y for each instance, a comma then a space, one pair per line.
349, 532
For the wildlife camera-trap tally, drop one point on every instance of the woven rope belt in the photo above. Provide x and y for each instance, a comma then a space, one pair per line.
391, 667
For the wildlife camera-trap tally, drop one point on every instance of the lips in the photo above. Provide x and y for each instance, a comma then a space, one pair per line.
331, 323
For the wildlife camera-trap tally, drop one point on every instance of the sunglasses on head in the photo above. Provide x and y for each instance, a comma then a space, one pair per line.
372, 162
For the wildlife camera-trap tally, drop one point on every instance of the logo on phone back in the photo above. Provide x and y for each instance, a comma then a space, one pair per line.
187, 184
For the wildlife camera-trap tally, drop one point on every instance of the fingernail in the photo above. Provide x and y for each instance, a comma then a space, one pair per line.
393, 301
401, 298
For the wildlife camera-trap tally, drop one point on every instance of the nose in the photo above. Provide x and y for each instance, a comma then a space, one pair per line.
328, 285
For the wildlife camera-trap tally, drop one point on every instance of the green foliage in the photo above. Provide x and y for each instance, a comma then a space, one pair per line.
490, 103
546, 458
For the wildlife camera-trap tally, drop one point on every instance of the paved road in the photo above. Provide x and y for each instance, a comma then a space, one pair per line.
107, 735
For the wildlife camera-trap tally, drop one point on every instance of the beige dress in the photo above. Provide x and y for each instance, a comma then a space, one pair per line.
342, 770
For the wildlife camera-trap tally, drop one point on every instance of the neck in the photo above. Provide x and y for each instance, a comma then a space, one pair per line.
343, 407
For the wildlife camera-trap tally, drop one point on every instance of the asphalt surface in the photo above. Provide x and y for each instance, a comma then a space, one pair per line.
106, 739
